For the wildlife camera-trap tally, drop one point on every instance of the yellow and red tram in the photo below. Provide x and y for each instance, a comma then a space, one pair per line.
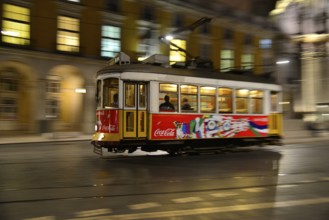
224, 109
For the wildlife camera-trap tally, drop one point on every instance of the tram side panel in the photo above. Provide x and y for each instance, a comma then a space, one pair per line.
207, 126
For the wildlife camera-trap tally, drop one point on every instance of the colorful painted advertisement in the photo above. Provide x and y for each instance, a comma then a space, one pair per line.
107, 121
165, 126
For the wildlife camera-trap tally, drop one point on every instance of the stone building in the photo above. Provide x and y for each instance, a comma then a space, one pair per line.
50, 51
306, 25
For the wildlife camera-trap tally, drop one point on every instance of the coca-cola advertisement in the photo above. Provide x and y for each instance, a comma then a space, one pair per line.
107, 121
165, 126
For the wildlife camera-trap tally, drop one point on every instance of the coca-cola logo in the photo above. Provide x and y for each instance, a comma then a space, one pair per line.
169, 132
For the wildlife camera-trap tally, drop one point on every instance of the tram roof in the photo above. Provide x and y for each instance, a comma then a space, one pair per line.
237, 75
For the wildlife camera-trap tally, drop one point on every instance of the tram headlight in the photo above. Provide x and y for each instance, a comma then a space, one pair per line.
96, 127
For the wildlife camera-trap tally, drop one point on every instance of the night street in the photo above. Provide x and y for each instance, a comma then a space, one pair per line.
66, 180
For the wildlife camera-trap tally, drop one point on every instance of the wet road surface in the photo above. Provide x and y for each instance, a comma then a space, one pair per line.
68, 181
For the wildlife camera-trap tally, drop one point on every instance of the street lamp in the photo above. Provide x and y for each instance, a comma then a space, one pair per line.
282, 62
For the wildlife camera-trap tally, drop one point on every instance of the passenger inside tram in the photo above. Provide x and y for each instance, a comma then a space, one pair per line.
115, 100
186, 105
167, 106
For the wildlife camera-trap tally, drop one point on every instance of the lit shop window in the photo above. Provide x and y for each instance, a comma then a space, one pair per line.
189, 98
15, 25
208, 99
241, 101
168, 93
256, 97
175, 55
68, 39
111, 44
110, 93
225, 100
227, 60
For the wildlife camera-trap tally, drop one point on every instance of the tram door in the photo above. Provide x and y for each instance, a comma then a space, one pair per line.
135, 109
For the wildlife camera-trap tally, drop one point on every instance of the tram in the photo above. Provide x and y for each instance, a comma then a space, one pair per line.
156, 106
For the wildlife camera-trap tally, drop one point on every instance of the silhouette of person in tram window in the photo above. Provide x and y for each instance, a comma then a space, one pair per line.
167, 106
186, 105
115, 100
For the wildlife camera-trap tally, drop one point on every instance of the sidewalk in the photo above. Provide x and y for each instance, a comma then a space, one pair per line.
44, 138
87, 137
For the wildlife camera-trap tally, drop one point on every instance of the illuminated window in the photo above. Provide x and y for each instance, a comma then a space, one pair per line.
225, 97
256, 97
265, 43
170, 90
242, 101
146, 46
227, 60
130, 95
189, 98
111, 44
175, 55
15, 25
68, 34
99, 94
274, 101
142, 91
247, 61
208, 99
110, 93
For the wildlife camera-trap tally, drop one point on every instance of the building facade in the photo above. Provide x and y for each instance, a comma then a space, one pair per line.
50, 51
306, 25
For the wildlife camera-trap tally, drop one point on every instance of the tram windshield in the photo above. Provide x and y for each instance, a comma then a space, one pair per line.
110, 93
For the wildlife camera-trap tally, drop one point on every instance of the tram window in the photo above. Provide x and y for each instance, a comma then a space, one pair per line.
98, 93
110, 92
256, 101
241, 101
130, 93
208, 99
225, 97
189, 98
169, 90
142, 96
274, 101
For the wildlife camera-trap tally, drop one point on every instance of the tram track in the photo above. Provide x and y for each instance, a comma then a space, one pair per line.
323, 179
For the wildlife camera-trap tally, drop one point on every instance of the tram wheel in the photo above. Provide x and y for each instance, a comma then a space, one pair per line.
175, 152
119, 150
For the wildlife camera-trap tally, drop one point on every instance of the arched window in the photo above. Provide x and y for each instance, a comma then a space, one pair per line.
9, 86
